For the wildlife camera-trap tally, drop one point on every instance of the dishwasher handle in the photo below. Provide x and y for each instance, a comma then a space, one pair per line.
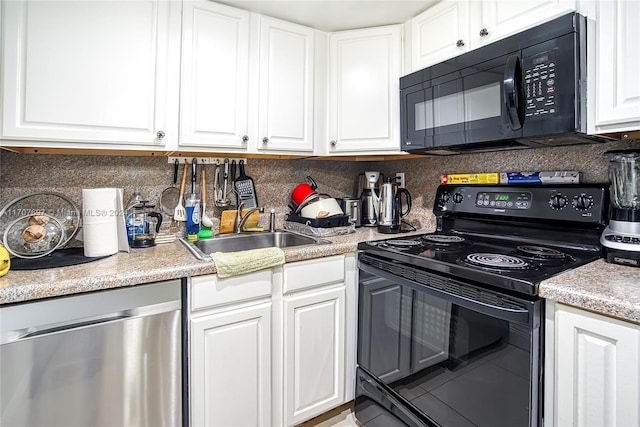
32, 332
48, 331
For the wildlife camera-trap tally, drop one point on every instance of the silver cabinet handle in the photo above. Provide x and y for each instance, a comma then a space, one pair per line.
333, 143
460, 43
484, 32
265, 140
245, 139
160, 134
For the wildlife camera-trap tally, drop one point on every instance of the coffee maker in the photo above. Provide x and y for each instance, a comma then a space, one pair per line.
369, 184
621, 238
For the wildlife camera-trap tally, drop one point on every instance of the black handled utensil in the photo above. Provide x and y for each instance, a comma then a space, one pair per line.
246, 189
233, 179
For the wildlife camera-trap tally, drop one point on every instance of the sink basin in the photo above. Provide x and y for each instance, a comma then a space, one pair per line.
245, 241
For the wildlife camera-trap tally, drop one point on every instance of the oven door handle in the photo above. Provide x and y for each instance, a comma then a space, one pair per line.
508, 314
513, 92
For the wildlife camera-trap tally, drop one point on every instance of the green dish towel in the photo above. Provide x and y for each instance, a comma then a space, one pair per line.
236, 263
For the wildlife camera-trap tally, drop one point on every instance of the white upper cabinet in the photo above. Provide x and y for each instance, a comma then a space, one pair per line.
500, 18
441, 32
90, 72
224, 105
364, 102
616, 64
285, 118
452, 27
214, 97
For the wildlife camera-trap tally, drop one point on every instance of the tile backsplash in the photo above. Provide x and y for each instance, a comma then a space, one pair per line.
274, 179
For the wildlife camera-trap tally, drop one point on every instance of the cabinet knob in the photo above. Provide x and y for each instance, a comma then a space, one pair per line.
265, 140
484, 32
160, 134
245, 139
460, 43
333, 143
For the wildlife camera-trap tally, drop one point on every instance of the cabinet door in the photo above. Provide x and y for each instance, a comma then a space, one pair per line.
499, 18
384, 324
314, 353
617, 65
597, 371
230, 367
286, 86
364, 106
441, 32
215, 76
91, 72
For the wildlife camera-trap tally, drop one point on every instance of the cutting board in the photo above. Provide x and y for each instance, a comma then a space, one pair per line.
228, 219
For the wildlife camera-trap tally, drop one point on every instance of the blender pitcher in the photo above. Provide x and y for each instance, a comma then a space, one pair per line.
621, 238
624, 177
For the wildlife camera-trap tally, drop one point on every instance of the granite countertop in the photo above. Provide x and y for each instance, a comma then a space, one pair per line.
604, 288
609, 289
162, 262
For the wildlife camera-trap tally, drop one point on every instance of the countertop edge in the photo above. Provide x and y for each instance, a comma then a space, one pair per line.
608, 289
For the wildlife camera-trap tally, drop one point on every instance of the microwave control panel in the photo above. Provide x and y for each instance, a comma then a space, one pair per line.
540, 84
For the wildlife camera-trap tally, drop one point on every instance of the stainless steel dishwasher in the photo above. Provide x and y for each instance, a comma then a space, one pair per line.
109, 358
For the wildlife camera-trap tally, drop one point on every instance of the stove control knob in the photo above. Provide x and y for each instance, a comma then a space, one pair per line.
558, 201
444, 198
582, 202
458, 198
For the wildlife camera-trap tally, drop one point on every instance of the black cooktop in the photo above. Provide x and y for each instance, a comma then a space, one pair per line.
509, 237
502, 263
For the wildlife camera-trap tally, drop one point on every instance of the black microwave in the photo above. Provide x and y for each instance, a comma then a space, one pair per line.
524, 91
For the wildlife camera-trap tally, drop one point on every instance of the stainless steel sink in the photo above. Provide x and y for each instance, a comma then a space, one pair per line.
245, 241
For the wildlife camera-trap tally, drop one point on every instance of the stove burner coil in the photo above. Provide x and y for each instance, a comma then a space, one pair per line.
496, 261
443, 238
540, 252
398, 242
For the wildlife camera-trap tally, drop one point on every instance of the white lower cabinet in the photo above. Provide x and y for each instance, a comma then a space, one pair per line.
230, 349
231, 366
314, 356
593, 373
273, 347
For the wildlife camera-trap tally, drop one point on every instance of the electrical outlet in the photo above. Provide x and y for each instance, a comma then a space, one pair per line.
400, 179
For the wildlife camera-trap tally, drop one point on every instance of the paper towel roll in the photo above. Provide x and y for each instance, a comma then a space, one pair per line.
100, 221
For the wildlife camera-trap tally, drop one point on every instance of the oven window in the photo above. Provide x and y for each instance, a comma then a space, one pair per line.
456, 365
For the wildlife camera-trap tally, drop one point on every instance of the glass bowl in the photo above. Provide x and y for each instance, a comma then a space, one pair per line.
43, 203
33, 236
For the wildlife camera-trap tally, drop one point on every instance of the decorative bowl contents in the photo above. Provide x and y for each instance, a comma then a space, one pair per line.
36, 224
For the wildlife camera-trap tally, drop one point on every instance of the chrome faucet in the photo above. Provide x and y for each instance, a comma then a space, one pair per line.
240, 219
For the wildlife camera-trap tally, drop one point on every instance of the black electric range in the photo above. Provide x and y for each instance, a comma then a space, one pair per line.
504, 236
454, 316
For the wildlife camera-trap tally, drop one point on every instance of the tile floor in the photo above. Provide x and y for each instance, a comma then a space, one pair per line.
340, 417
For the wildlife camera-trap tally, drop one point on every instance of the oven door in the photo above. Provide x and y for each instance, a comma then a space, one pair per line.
439, 352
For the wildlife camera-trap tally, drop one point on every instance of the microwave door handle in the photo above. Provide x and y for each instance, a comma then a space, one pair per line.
512, 98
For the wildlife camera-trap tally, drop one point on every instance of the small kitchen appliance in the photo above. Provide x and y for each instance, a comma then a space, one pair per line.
390, 212
453, 316
621, 238
369, 197
351, 207
143, 225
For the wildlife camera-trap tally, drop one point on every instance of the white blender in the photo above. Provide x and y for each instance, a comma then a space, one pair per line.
621, 238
